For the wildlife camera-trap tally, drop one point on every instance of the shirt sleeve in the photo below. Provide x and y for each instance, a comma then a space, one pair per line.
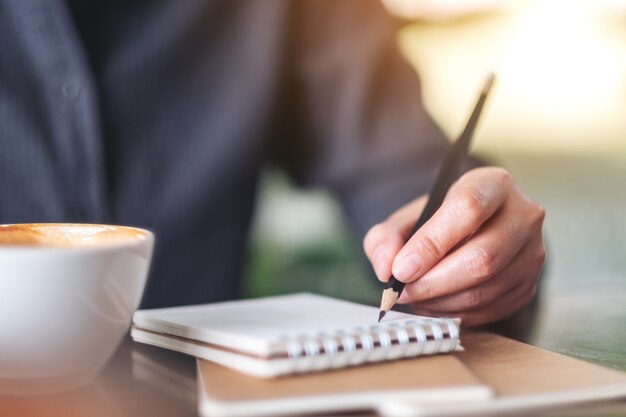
352, 116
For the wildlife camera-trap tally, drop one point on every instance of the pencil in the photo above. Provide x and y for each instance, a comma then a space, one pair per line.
448, 173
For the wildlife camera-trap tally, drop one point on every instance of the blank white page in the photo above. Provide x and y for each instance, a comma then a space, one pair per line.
260, 326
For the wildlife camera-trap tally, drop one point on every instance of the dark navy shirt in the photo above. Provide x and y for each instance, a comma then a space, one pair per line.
161, 114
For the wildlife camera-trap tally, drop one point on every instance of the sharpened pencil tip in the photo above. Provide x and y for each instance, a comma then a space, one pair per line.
381, 315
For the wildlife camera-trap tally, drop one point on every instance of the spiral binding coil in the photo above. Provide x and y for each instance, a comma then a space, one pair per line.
378, 343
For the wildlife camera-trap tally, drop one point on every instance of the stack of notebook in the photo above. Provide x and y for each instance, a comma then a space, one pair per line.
305, 353
293, 334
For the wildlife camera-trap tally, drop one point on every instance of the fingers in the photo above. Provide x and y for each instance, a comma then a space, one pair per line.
522, 270
489, 250
473, 200
496, 299
384, 240
510, 303
477, 258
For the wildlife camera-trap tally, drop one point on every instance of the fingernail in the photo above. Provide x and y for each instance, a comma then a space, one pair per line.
380, 258
407, 267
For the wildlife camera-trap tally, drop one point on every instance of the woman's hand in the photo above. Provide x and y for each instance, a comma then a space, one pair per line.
477, 258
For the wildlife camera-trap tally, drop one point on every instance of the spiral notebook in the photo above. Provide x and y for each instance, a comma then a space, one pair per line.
292, 334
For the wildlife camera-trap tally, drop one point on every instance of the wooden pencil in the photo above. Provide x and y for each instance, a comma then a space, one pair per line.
448, 173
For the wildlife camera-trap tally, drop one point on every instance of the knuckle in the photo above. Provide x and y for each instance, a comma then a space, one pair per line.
472, 298
536, 259
483, 263
541, 255
539, 214
502, 176
432, 246
471, 205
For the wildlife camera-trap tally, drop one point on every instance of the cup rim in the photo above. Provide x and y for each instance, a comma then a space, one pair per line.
130, 243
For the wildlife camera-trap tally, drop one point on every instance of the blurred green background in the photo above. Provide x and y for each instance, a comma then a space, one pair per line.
556, 120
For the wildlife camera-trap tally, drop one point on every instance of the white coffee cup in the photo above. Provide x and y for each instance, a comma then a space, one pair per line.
67, 296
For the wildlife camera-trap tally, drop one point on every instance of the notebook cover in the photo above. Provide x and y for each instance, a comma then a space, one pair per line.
430, 379
523, 378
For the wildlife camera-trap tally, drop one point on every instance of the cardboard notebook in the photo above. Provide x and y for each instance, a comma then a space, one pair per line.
494, 376
441, 379
291, 334
525, 380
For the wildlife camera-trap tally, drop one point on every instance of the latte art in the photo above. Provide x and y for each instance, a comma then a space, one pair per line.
67, 235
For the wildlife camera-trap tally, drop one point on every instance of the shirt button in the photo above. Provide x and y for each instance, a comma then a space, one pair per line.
70, 89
